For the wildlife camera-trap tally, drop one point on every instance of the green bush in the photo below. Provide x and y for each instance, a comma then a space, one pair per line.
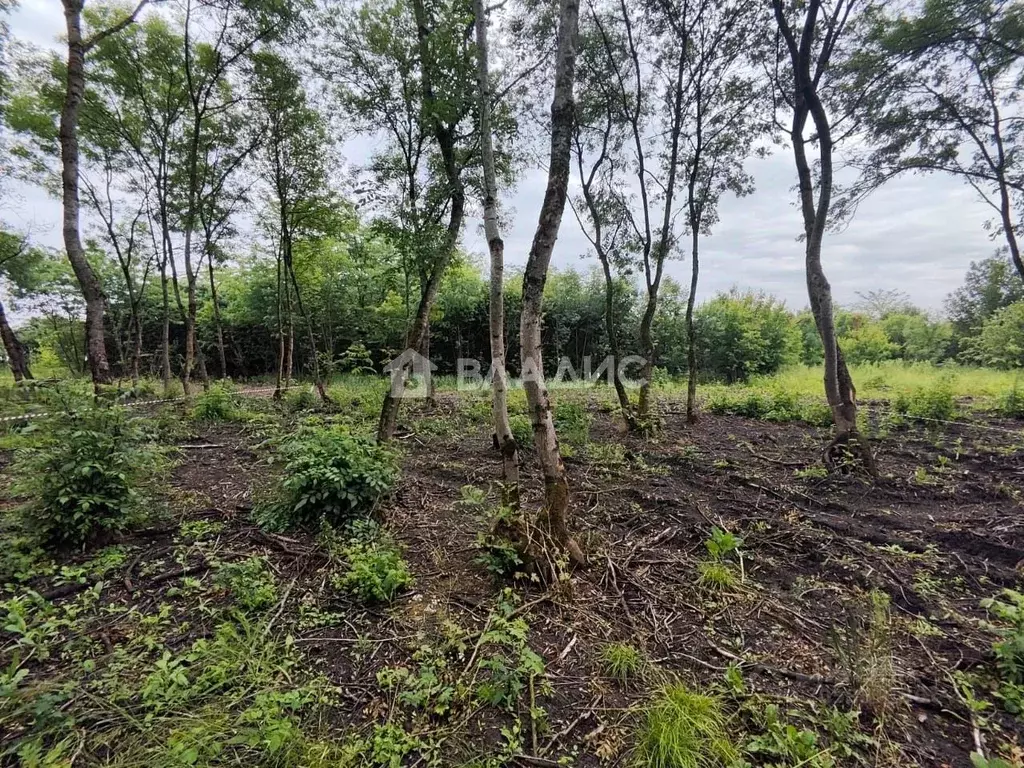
1011, 404
329, 476
522, 431
743, 335
572, 422
215, 404
86, 474
300, 399
1009, 649
934, 402
376, 570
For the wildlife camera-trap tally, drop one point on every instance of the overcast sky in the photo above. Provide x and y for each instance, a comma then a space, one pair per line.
918, 234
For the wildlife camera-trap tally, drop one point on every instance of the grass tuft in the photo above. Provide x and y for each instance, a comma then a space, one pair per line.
684, 729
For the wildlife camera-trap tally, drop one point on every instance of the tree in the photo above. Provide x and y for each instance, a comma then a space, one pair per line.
1001, 341
19, 265
95, 300
293, 161
554, 518
989, 285
939, 81
496, 314
811, 33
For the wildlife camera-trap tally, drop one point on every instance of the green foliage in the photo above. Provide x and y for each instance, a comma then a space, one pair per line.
722, 543
215, 404
376, 570
250, 583
684, 729
933, 402
771, 403
86, 474
1011, 405
623, 661
783, 744
329, 475
715, 576
572, 421
743, 335
1009, 649
522, 431
300, 399
1001, 341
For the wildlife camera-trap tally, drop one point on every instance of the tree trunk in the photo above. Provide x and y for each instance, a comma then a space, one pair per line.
92, 290
222, 358
165, 335
839, 389
554, 518
691, 334
280, 334
499, 384
16, 357
613, 344
309, 330
444, 134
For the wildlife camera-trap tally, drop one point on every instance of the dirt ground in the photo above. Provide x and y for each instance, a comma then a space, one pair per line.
940, 531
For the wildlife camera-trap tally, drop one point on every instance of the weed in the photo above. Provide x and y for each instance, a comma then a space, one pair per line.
250, 583
215, 404
1009, 649
811, 473
786, 745
684, 729
864, 648
623, 661
87, 473
300, 399
376, 571
715, 576
935, 402
330, 476
573, 422
522, 430
1011, 404
722, 543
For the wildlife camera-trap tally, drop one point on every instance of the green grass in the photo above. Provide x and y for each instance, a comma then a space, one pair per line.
623, 661
684, 729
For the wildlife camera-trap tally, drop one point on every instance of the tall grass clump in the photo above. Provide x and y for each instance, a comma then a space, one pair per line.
684, 729
86, 474
329, 476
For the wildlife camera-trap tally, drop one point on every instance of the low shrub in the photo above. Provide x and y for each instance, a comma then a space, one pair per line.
684, 729
572, 421
215, 404
522, 431
85, 474
936, 402
250, 583
329, 476
376, 570
1011, 404
300, 399
1009, 649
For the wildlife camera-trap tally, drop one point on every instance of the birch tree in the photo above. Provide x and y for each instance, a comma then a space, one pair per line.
496, 315
553, 522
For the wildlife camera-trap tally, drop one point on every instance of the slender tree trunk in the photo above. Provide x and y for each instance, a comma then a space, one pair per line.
92, 290
309, 330
280, 333
691, 333
165, 334
444, 134
289, 343
499, 383
15, 351
218, 326
554, 518
613, 343
839, 389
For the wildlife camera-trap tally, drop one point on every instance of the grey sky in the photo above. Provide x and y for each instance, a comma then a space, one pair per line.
918, 234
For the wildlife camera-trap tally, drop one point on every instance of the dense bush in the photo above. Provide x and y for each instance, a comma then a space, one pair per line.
215, 404
743, 335
928, 403
87, 473
1001, 341
329, 476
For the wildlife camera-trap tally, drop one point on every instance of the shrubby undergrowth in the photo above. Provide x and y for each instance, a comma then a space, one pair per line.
86, 474
329, 476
